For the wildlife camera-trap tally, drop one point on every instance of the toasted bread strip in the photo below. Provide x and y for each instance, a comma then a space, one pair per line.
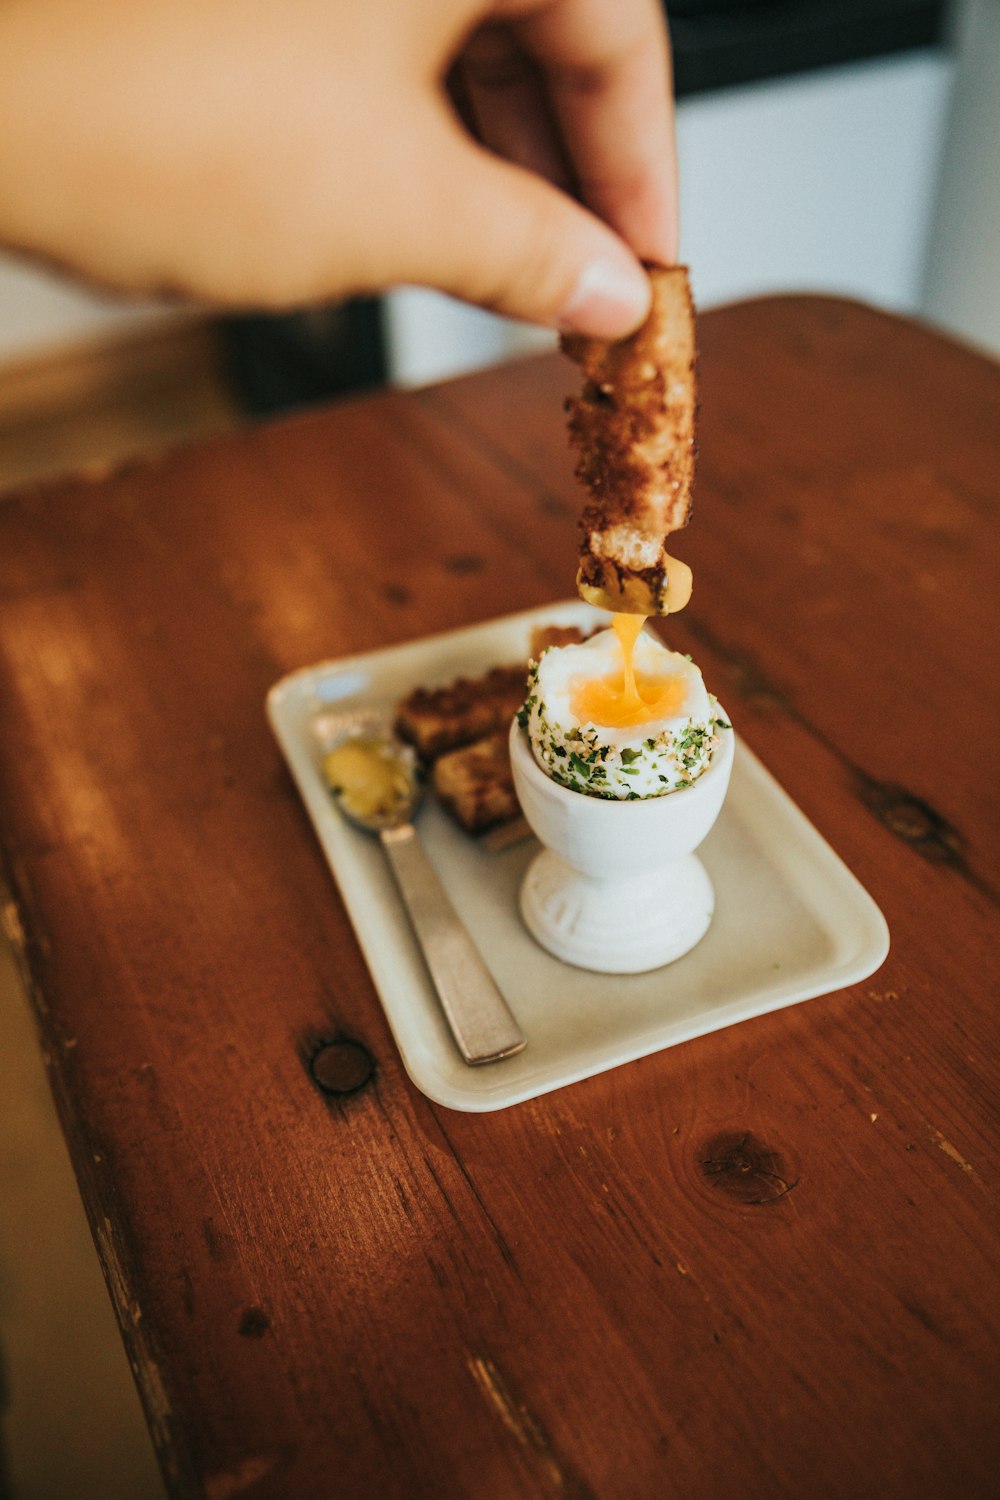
476, 785
633, 425
439, 719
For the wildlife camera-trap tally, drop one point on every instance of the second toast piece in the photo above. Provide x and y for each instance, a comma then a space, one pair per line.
475, 783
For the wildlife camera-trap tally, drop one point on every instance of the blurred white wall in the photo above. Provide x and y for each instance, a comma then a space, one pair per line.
432, 337
820, 182
41, 310
962, 286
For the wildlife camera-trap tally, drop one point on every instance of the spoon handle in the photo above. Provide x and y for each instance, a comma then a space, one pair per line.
478, 1015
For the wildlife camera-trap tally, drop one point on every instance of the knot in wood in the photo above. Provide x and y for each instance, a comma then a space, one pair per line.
464, 562
744, 1168
912, 820
342, 1067
254, 1323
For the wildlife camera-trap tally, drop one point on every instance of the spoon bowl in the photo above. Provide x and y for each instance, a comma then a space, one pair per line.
375, 780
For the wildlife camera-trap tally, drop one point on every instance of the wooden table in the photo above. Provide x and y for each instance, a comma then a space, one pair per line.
763, 1263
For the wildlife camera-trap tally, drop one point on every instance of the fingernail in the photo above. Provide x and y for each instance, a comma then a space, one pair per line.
608, 301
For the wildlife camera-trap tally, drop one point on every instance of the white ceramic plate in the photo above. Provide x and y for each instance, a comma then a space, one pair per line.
791, 920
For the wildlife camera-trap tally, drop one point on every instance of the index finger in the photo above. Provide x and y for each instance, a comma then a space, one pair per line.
608, 71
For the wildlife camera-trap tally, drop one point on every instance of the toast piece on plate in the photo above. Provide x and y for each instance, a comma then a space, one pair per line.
475, 783
633, 425
544, 636
435, 720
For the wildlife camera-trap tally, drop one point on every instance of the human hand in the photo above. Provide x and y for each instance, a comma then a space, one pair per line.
250, 154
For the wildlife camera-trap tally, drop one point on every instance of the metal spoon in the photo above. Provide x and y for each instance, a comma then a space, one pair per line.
479, 1017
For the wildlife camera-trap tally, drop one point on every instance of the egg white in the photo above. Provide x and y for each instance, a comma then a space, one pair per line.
644, 760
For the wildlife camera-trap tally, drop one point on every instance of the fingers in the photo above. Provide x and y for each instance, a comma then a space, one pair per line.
577, 92
492, 233
351, 174
502, 98
607, 70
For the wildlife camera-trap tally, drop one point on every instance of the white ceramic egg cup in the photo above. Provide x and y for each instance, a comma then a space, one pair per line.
617, 887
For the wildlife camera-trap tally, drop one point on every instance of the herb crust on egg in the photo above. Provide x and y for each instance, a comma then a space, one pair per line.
653, 765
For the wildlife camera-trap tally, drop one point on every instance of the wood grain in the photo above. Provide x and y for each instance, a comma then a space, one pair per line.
762, 1263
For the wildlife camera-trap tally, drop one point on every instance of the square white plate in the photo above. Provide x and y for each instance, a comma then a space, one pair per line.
791, 921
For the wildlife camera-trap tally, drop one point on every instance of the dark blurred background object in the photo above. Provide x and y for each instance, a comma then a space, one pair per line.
282, 361
720, 43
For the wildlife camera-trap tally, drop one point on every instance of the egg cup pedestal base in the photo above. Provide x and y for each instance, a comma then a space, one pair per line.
617, 926
617, 887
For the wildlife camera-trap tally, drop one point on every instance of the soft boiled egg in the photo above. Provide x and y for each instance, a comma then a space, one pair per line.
599, 728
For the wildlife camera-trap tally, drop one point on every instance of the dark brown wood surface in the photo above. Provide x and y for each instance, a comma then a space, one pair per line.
763, 1263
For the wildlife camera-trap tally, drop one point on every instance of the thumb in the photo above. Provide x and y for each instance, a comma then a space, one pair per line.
492, 233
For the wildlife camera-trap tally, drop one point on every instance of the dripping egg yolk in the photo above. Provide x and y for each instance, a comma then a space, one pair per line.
614, 724
627, 697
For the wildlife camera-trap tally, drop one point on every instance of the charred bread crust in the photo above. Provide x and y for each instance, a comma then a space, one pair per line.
476, 784
633, 425
608, 583
544, 636
436, 720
